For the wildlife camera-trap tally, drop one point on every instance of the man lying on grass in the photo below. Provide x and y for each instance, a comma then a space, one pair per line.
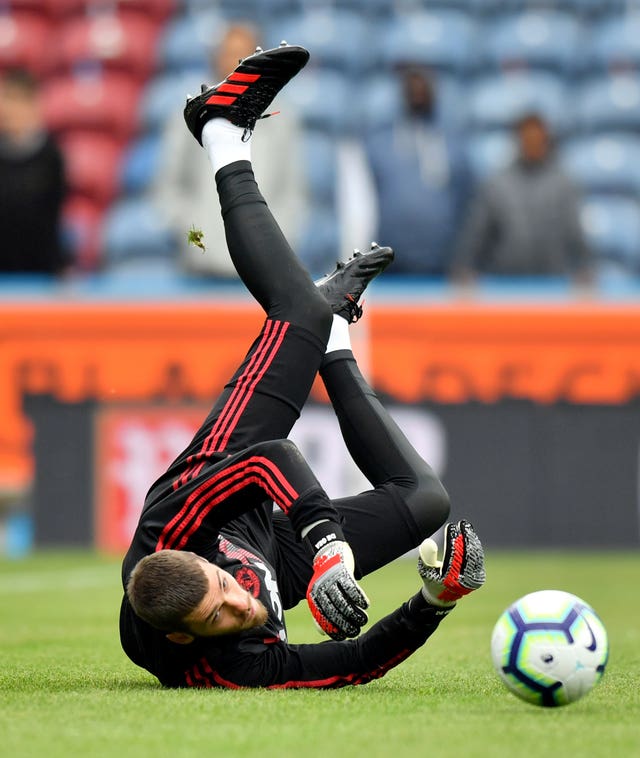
212, 566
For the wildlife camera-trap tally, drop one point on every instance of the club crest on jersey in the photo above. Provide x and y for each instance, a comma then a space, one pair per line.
248, 580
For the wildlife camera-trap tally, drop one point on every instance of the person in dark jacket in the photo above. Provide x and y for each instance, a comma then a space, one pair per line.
32, 181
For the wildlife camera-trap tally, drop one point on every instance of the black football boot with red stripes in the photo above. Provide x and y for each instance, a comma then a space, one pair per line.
343, 287
246, 93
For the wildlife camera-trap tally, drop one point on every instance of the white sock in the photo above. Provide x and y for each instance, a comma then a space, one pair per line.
339, 338
223, 142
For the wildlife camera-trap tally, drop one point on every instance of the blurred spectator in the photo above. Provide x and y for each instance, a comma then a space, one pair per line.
422, 178
524, 221
186, 193
32, 184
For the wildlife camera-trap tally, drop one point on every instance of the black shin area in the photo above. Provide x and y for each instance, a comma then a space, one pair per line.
379, 447
262, 256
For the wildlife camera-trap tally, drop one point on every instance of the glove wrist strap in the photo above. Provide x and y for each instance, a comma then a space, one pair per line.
323, 534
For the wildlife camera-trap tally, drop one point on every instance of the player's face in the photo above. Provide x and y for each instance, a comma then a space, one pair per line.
227, 607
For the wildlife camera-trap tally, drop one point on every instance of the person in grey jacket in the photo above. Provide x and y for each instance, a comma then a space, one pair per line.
524, 221
185, 194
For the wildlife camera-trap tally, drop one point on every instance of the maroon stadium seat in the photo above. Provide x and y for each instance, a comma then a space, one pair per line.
93, 166
117, 42
25, 41
92, 101
82, 220
54, 9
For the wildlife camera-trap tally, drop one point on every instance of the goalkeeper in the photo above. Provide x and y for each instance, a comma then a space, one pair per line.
212, 566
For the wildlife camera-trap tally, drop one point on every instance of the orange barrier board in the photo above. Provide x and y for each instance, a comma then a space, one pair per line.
449, 353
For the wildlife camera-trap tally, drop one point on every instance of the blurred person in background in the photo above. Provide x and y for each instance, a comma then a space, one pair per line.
186, 194
422, 178
32, 181
524, 221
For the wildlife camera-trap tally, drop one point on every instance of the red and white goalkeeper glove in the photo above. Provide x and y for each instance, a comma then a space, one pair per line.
461, 569
336, 601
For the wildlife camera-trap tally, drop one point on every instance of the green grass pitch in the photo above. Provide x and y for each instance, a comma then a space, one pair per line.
67, 690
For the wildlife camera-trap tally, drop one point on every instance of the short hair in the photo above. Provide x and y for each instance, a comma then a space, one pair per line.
165, 587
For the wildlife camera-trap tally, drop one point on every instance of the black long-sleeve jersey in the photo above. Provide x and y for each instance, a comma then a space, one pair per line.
192, 514
263, 657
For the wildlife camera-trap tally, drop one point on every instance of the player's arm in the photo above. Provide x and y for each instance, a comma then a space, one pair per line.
390, 641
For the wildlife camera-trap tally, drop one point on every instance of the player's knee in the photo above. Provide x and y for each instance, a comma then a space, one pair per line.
429, 504
311, 311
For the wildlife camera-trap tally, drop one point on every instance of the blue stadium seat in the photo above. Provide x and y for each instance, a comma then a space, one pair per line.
490, 151
336, 38
324, 100
134, 229
604, 163
497, 100
321, 170
320, 245
442, 39
612, 227
609, 103
615, 43
187, 40
166, 94
140, 163
536, 38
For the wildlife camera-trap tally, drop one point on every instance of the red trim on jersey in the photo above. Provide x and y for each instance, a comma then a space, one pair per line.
265, 352
221, 100
328, 682
254, 470
237, 89
237, 76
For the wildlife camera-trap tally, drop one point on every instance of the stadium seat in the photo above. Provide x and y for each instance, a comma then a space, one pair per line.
166, 94
604, 163
120, 43
323, 31
538, 39
612, 227
140, 164
497, 100
92, 101
320, 245
81, 229
157, 11
54, 9
333, 114
615, 43
133, 229
609, 103
320, 162
25, 41
187, 40
490, 151
442, 39
93, 166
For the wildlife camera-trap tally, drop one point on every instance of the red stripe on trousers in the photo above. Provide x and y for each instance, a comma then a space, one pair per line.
240, 396
262, 471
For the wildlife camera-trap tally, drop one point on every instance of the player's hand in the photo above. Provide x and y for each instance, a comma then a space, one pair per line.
461, 569
336, 601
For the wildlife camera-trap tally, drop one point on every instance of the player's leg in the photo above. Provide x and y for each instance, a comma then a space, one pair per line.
264, 397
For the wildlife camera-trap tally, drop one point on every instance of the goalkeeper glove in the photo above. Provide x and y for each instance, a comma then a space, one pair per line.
461, 569
336, 601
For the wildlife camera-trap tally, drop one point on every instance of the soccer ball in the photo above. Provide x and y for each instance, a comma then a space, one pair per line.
550, 648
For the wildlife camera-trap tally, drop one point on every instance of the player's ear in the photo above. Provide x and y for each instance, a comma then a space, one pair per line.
180, 638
